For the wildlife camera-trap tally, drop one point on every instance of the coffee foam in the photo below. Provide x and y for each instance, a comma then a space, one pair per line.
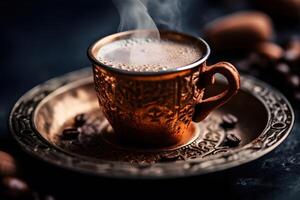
146, 54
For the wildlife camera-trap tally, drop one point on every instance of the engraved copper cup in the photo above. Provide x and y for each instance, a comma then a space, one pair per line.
157, 108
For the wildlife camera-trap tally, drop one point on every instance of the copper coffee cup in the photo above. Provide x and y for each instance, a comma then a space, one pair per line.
157, 108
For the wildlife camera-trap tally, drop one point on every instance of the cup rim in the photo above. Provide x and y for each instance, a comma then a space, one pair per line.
197, 63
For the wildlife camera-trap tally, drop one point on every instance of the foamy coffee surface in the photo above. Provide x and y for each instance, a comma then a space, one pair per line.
145, 54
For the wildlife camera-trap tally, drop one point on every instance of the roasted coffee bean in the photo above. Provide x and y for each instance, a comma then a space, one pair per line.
293, 81
292, 53
269, 50
8, 165
232, 140
80, 120
242, 30
70, 133
282, 68
169, 158
15, 188
229, 121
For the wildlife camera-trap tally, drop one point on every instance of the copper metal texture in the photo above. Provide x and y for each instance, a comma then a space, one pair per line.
37, 119
157, 108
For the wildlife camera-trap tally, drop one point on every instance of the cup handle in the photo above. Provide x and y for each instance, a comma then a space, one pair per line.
204, 107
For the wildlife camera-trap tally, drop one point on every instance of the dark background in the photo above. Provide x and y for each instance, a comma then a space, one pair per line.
43, 39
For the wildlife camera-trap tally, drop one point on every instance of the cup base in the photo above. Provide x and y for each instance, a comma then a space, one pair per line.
188, 137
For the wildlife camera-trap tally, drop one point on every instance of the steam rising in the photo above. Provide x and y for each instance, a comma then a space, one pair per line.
166, 13
140, 14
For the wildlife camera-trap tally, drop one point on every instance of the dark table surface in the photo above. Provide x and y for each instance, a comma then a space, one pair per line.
43, 39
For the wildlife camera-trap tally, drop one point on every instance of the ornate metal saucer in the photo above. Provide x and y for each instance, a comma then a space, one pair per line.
38, 118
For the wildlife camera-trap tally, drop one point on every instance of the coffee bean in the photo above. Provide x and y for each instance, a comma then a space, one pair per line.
8, 165
241, 30
229, 121
282, 68
80, 120
70, 133
291, 56
293, 81
15, 187
169, 158
292, 53
231, 140
269, 50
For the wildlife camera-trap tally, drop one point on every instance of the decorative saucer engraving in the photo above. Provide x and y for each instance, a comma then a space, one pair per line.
205, 142
203, 155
